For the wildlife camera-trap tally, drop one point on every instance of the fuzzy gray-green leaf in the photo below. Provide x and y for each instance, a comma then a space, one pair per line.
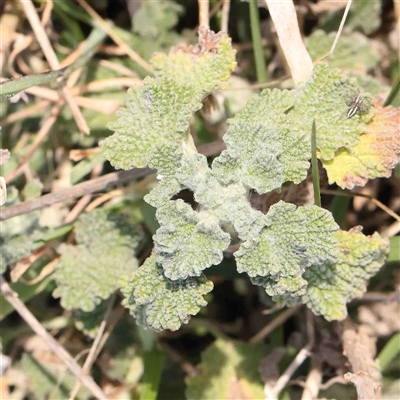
187, 242
292, 240
159, 303
92, 269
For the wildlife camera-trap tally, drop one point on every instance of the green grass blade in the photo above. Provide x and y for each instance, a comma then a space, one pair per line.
339, 207
74, 11
257, 44
389, 352
394, 96
314, 165
11, 87
394, 255
153, 366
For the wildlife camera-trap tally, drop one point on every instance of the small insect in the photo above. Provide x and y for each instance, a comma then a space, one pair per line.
358, 105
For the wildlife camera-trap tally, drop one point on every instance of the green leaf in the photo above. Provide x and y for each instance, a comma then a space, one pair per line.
11, 87
325, 98
292, 240
364, 16
51, 380
394, 255
17, 236
264, 148
159, 303
228, 368
167, 160
127, 364
86, 166
89, 322
157, 116
390, 352
331, 286
92, 269
153, 367
187, 241
153, 20
375, 155
229, 202
160, 194
353, 50
14, 249
51, 234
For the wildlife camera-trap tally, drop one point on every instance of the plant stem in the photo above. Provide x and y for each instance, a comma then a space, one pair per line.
394, 97
314, 165
257, 45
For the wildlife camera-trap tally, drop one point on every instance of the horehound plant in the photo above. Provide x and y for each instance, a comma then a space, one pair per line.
297, 254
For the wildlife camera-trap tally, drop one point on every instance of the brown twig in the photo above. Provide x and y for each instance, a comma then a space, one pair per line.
85, 200
115, 316
23, 265
81, 189
40, 33
118, 68
177, 357
78, 208
314, 379
35, 325
298, 360
46, 14
19, 47
367, 196
46, 271
195, 30
204, 16
100, 105
25, 113
332, 381
90, 359
226, 5
102, 199
360, 350
94, 185
378, 297
277, 321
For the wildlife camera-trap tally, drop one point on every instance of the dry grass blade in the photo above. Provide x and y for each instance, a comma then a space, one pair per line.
35, 325
284, 16
51, 57
204, 17
90, 359
104, 25
277, 321
226, 5
43, 132
371, 198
